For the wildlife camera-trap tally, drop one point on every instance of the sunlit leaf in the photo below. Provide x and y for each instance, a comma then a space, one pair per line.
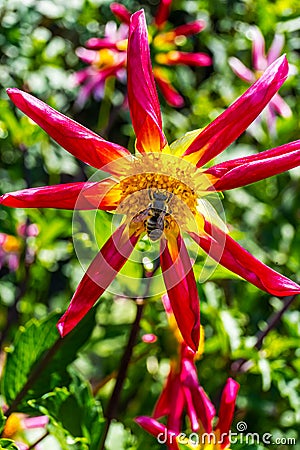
8, 444
29, 351
74, 412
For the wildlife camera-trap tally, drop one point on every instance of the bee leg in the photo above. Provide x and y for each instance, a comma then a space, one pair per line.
150, 193
169, 196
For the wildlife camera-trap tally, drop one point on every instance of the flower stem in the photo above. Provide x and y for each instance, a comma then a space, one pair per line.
113, 403
273, 321
243, 365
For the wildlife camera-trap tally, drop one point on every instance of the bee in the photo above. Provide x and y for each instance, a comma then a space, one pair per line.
154, 215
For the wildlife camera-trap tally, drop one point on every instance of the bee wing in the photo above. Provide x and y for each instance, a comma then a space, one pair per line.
160, 219
140, 217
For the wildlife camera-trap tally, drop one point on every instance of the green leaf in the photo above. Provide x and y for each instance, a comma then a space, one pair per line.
56, 405
38, 347
232, 328
8, 443
265, 369
2, 420
116, 437
120, 436
56, 373
30, 343
74, 412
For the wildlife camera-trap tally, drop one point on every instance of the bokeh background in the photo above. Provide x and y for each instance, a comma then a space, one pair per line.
39, 268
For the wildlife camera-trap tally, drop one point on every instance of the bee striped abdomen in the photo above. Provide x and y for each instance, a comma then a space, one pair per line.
155, 225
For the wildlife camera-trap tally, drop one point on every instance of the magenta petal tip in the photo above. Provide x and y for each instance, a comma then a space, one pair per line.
61, 328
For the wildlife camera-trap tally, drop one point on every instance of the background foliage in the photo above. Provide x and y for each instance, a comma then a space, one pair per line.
37, 53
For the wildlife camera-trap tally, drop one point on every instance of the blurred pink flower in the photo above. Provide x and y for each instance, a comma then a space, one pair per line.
11, 246
17, 423
260, 61
107, 60
164, 42
183, 393
10, 250
25, 230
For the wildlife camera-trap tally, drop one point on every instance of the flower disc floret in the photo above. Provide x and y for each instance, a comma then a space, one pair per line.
163, 175
159, 182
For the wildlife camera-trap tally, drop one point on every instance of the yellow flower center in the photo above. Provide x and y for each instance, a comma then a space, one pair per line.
11, 244
12, 426
106, 58
165, 58
122, 45
160, 194
163, 40
154, 182
258, 74
157, 202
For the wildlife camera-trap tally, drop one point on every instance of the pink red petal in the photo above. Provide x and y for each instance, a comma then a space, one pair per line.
21, 445
105, 195
98, 277
163, 13
275, 49
205, 409
242, 171
168, 91
281, 106
163, 404
98, 43
190, 28
63, 196
199, 407
171, 402
232, 122
258, 49
227, 407
82, 196
198, 410
182, 290
76, 139
270, 119
158, 430
94, 83
241, 70
80, 76
87, 55
121, 12
175, 57
230, 254
142, 96
190, 399
35, 422
106, 59
167, 305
